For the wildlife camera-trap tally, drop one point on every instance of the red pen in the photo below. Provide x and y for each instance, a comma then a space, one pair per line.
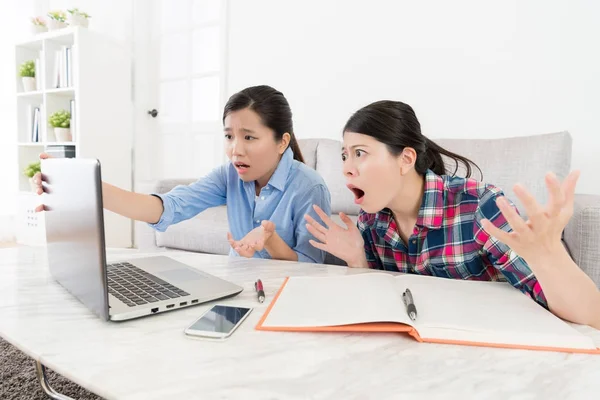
260, 291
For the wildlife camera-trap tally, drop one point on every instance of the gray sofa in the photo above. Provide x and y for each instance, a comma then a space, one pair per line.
504, 162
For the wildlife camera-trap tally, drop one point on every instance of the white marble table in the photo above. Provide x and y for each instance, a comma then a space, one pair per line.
151, 358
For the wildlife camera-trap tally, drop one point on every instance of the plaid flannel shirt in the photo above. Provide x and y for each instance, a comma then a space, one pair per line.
448, 239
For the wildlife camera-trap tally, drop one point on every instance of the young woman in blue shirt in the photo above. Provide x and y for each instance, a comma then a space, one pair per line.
266, 185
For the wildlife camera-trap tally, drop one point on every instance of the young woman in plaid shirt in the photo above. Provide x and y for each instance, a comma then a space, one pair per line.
417, 217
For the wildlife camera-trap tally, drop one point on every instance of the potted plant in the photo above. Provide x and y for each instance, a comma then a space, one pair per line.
78, 18
27, 73
57, 20
61, 122
38, 25
30, 171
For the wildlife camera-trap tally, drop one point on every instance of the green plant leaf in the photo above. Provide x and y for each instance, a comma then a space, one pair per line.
27, 69
60, 119
32, 169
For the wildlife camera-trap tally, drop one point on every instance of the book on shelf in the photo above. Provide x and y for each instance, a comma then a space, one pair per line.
34, 117
56, 74
63, 68
60, 151
72, 123
69, 67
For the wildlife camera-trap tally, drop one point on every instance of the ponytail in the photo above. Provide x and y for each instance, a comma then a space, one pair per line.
432, 159
296, 148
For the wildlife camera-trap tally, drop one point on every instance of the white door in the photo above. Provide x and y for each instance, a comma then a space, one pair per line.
179, 71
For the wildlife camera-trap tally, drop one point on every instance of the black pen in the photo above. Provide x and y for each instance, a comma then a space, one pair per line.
411, 310
260, 291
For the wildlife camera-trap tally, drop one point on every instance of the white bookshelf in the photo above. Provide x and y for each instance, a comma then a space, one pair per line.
101, 126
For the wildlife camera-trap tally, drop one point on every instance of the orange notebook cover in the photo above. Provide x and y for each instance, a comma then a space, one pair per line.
468, 313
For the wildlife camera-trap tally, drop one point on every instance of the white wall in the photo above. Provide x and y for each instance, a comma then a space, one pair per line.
469, 68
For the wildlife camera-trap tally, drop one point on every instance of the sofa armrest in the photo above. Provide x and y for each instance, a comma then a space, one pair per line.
161, 186
145, 236
582, 235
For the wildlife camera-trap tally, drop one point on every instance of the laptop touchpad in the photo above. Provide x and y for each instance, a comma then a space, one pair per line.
180, 275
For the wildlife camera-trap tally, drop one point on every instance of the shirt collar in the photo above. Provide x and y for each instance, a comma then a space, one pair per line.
279, 177
432, 206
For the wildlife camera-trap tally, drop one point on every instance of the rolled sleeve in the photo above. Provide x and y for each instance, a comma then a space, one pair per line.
184, 202
513, 267
320, 196
166, 217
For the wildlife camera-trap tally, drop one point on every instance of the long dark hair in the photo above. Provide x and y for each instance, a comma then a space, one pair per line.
396, 125
272, 108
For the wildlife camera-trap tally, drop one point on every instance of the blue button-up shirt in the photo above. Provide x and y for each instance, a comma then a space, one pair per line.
288, 196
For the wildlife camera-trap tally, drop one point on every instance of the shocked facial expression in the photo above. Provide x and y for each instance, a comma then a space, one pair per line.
372, 172
251, 146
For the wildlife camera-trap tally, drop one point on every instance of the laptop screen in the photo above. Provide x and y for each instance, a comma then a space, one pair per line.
75, 229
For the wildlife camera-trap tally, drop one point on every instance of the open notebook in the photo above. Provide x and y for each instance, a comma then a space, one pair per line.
449, 311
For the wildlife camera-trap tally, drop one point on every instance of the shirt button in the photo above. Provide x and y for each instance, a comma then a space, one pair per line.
257, 221
262, 197
414, 241
267, 187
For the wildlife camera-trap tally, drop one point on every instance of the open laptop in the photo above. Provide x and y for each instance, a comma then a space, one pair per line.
77, 253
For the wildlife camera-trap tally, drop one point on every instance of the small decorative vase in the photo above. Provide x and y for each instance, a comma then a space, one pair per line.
78, 20
29, 84
35, 29
54, 24
63, 134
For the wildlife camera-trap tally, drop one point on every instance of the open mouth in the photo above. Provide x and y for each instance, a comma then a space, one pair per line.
241, 167
359, 194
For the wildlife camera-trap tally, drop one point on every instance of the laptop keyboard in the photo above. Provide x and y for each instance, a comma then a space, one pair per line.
135, 287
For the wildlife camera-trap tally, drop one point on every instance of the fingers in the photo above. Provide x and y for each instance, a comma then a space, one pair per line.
533, 208
556, 198
568, 187
44, 156
39, 208
244, 250
37, 180
496, 232
315, 224
230, 239
324, 217
316, 233
512, 217
318, 245
268, 226
347, 221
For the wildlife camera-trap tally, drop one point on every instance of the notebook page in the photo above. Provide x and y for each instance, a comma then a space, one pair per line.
337, 300
485, 311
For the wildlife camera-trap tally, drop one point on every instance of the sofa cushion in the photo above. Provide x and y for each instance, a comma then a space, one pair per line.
205, 233
526, 160
582, 235
309, 151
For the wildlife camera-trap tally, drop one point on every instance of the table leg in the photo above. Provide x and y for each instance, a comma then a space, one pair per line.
41, 373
